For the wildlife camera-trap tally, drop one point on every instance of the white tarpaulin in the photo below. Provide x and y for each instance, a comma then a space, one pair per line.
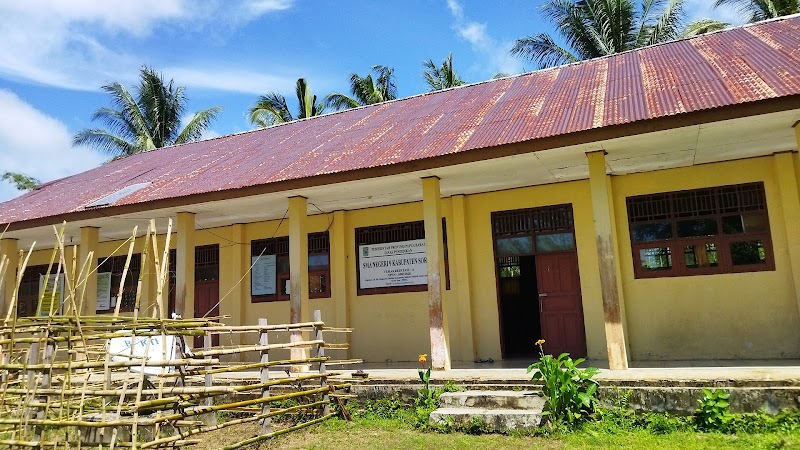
134, 348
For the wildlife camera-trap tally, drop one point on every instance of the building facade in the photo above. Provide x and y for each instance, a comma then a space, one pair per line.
644, 206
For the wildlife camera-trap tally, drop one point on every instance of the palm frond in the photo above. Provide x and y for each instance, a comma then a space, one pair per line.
337, 101
270, 109
542, 50
105, 142
702, 26
198, 125
667, 27
443, 77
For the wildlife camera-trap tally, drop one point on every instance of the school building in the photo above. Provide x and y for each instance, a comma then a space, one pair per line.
642, 206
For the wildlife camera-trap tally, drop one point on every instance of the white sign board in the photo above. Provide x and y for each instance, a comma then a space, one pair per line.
103, 291
392, 264
46, 288
153, 348
262, 276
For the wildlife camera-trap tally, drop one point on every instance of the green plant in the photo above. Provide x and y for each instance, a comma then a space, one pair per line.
713, 415
571, 393
426, 397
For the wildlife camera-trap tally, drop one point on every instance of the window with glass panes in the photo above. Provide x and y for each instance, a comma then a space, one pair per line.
28, 294
116, 265
531, 231
701, 231
319, 272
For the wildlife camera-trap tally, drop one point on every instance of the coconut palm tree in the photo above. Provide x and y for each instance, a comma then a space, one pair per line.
150, 118
366, 90
757, 10
271, 109
443, 77
21, 181
595, 28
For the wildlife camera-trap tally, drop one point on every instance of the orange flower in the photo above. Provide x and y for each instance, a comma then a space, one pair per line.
540, 342
423, 358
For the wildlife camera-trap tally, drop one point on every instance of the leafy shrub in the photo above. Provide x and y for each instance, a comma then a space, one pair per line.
570, 392
713, 415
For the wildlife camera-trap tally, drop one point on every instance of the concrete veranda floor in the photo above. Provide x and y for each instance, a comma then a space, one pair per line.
724, 372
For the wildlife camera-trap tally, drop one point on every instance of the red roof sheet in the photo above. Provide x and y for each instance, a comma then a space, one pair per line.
742, 65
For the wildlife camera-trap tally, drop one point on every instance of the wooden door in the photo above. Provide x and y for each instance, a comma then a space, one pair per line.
561, 311
206, 298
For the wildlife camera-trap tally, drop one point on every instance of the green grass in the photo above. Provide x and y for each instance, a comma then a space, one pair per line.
391, 423
398, 434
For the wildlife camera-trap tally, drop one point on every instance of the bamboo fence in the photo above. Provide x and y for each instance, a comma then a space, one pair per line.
65, 384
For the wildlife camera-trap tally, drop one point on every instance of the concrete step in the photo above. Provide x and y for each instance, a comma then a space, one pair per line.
492, 419
526, 400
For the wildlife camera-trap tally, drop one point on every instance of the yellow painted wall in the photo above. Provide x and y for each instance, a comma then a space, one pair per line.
725, 316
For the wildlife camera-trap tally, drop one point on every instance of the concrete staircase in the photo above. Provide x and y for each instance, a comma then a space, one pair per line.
496, 410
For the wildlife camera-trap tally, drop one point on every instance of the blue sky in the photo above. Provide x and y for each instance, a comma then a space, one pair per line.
55, 54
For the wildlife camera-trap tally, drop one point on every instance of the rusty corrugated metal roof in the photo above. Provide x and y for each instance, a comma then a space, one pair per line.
741, 65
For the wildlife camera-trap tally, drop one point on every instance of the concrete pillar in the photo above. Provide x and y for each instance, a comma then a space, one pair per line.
10, 249
459, 275
786, 178
434, 249
608, 260
231, 269
184, 265
298, 261
90, 237
298, 271
338, 263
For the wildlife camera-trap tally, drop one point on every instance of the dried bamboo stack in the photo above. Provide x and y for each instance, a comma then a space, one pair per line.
64, 384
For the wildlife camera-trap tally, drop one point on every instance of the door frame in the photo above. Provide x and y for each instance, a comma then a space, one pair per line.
562, 224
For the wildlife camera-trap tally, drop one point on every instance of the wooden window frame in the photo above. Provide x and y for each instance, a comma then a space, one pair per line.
116, 265
318, 244
28, 294
717, 207
397, 232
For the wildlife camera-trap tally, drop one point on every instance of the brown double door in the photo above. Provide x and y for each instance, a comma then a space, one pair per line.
539, 294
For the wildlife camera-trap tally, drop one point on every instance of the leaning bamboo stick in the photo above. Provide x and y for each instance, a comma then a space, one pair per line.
245, 367
264, 437
273, 413
256, 348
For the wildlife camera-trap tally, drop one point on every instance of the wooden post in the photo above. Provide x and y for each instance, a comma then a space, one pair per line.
432, 213
209, 418
10, 249
608, 261
90, 237
30, 380
786, 179
298, 274
263, 340
184, 266
323, 382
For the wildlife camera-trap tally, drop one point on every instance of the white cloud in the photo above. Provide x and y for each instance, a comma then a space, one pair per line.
75, 44
231, 80
265, 6
37, 145
455, 9
498, 58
